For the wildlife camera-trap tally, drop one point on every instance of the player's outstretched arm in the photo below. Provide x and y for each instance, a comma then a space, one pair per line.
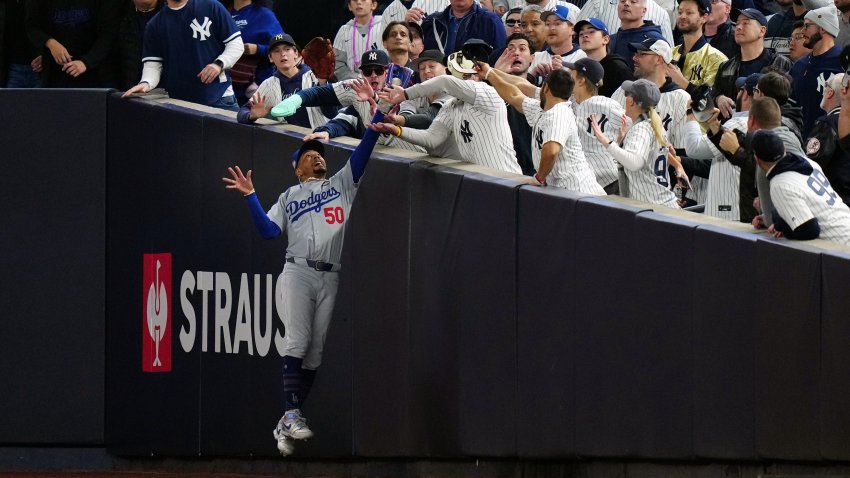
242, 183
316, 96
360, 157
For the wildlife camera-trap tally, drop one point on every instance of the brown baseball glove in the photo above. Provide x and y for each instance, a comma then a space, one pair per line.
319, 55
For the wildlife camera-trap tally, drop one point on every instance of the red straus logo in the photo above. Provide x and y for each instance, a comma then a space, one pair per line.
156, 313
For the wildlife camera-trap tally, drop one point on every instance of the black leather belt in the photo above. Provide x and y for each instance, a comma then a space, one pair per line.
316, 265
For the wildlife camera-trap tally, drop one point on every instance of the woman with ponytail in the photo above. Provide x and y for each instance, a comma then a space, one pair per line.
644, 152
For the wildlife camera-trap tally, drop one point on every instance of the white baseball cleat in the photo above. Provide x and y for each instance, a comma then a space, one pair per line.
284, 443
294, 425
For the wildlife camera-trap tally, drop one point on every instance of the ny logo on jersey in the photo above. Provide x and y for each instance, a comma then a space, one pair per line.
666, 122
601, 121
202, 30
465, 132
373, 56
696, 72
539, 139
821, 83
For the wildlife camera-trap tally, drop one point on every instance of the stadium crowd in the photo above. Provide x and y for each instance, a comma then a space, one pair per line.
737, 108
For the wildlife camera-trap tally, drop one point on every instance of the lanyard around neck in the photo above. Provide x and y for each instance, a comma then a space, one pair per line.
356, 57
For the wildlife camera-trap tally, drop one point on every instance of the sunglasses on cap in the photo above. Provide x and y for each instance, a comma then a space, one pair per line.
373, 70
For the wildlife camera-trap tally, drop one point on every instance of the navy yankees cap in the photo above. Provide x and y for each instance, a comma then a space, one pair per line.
589, 68
595, 23
768, 146
281, 38
754, 14
374, 58
312, 145
748, 82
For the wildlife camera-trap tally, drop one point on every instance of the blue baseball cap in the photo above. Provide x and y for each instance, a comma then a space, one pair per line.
562, 12
312, 145
748, 82
595, 23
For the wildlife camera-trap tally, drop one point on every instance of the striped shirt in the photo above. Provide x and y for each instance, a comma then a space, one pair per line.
609, 115
363, 38
606, 10
648, 180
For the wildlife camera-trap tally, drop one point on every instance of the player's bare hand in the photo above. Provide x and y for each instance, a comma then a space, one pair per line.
209, 73
415, 14
384, 128
557, 62
542, 69
392, 94
758, 222
58, 52
318, 135
238, 181
363, 89
395, 119
482, 68
140, 88
259, 108
773, 232
36, 64
726, 105
74, 68
729, 141
714, 121
624, 127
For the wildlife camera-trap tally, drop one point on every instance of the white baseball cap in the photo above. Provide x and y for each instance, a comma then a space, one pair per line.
655, 45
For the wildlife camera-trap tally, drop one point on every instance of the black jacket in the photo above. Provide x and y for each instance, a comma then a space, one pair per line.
616, 72
824, 147
724, 40
131, 32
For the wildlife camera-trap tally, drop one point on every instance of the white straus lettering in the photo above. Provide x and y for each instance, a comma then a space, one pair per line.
202, 30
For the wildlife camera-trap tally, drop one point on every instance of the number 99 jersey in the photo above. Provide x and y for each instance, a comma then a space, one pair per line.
314, 215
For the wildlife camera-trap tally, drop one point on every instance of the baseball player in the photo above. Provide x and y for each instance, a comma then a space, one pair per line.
644, 152
806, 205
476, 117
588, 75
291, 76
555, 147
314, 215
356, 37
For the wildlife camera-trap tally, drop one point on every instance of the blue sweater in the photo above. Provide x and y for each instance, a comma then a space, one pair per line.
809, 74
478, 23
258, 25
619, 44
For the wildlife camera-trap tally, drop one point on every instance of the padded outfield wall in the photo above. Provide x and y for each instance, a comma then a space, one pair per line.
477, 315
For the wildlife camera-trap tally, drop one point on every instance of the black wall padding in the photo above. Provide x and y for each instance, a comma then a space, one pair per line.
663, 253
724, 331
787, 351
374, 294
835, 356
607, 331
546, 348
479, 287
155, 199
52, 263
434, 332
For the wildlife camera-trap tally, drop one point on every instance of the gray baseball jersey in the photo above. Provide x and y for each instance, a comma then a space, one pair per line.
649, 181
799, 198
609, 116
606, 10
477, 118
270, 88
314, 215
558, 124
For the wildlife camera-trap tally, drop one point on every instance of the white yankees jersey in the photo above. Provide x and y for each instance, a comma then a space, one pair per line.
270, 88
558, 124
550, 6
650, 181
348, 97
421, 105
724, 179
609, 115
396, 11
477, 118
606, 10
545, 56
314, 214
799, 198
672, 109
352, 42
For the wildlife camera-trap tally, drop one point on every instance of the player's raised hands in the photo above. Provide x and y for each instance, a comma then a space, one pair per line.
392, 94
238, 181
385, 128
259, 108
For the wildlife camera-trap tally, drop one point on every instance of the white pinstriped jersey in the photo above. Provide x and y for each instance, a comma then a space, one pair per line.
270, 88
314, 214
724, 179
651, 182
477, 118
558, 124
395, 11
347, 97
609, 115
550, 6
545, 56
363, 42
606, 10
672, 109
799, 198
421, 105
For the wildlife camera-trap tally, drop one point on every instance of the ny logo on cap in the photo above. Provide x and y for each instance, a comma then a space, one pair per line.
373, 56
279, 36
